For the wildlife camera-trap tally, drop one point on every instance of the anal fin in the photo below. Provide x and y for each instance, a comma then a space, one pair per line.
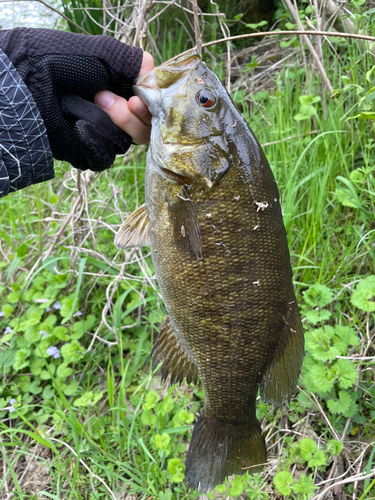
134, 231
281, 375
176, 363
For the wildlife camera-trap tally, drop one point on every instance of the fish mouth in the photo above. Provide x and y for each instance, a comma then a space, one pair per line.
172, 176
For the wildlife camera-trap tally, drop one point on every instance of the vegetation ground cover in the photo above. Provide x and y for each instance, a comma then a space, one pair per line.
81, 414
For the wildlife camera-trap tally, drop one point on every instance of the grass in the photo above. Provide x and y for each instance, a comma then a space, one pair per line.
95, 423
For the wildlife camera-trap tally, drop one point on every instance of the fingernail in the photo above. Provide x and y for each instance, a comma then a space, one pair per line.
104, 99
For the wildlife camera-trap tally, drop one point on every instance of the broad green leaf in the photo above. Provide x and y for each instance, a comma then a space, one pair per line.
148, 418
48, 392
151, 400
72, 351
307, 447
61, 332
282, 480
21, 359
319, 344
176, 470
346, 373
221, 488
64, 371
32, 334
318, 459
71, 388
317, 316
339, 405
237, 487
322, 377
318, 295
364, 295
162, 441
304, 486
334, 447
88, 398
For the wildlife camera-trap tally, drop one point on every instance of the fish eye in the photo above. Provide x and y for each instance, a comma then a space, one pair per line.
206, 99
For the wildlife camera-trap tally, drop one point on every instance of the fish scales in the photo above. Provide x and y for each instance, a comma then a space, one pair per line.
213, 220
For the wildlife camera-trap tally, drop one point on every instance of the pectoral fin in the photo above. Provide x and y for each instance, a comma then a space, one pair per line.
176, 362
186, 229
280, 377
134, 231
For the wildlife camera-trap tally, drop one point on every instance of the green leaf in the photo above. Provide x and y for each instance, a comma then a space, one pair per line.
61, 332
322, 377
304, 486
35, 387
22, 250
72, 352
307, 447
282, 480
88, 398
221, 488
318, 295
151, 399
80, 327
7, 358
345, 372
315, 317
148, 418
176, 470
14, 297
318, 459
340, 405
36, 365
64, 371
162, 441
318, 343
21, 359
48, 392
334, 447
237, 487
364, 295
365, 115
32, 334
71, 388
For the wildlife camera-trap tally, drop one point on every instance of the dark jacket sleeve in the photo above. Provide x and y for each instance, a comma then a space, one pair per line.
25, 153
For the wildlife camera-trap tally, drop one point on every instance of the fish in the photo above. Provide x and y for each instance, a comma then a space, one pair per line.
213, 220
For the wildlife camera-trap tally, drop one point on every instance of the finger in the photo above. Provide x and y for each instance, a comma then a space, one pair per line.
147, 63
118, 110
139, 108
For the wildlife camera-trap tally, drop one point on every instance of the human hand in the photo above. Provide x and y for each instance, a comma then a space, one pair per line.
63, 71
132, 116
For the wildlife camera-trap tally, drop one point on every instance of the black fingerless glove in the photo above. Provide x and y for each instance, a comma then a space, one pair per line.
63, 72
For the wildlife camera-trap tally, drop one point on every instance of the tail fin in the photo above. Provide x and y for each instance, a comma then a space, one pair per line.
218, 450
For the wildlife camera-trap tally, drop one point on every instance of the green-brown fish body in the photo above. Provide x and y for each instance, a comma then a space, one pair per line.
213, 220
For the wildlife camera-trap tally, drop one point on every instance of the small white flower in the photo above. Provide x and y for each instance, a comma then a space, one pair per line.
78, 313
48, 309
53, 351
57, 305
8, 330
42, 332
2, 314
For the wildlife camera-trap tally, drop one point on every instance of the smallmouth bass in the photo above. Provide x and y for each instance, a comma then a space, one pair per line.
213, 220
